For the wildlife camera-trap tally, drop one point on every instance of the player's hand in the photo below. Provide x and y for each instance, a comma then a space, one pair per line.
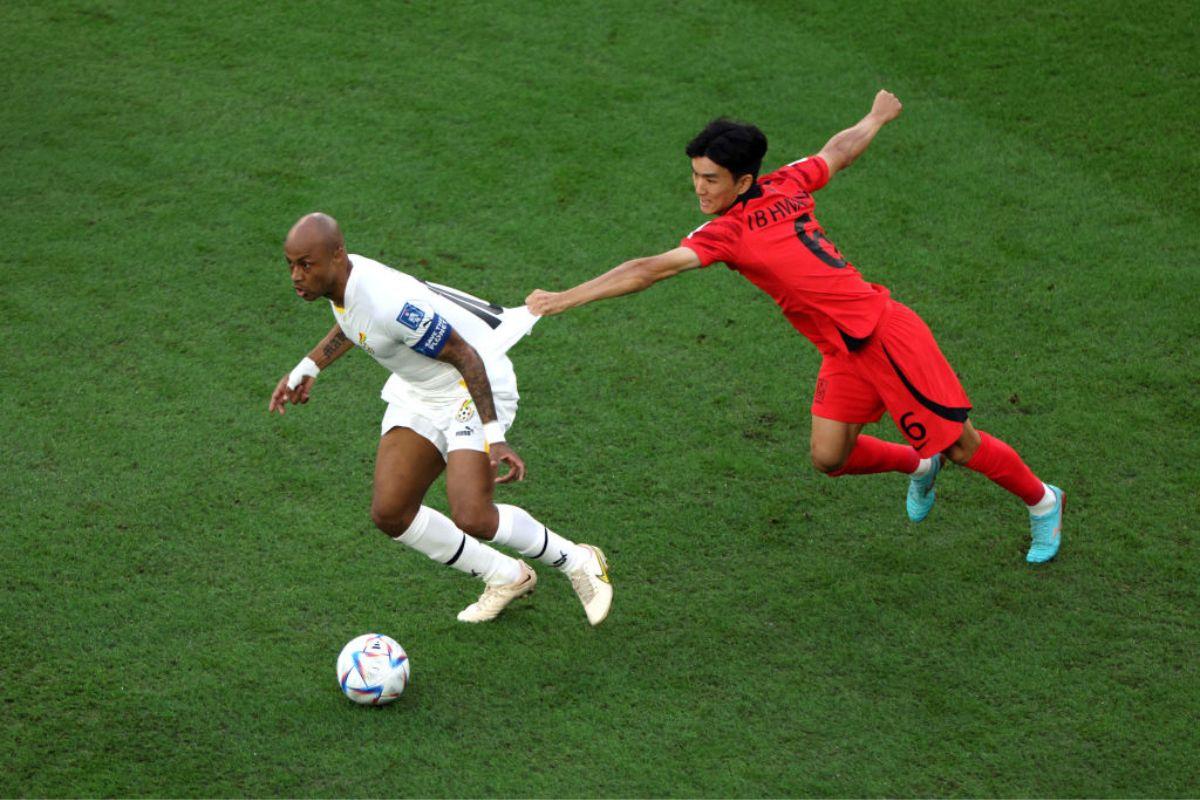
283, 395
886, 107
545, 303
501, 452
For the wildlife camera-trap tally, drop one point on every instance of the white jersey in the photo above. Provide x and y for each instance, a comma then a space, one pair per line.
403, 323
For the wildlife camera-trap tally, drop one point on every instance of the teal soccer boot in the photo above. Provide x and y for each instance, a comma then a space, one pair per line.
1047, 530
921, 493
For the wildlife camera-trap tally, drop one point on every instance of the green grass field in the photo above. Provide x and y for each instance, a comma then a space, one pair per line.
180, 569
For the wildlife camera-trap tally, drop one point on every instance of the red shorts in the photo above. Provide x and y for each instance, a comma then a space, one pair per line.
901, 370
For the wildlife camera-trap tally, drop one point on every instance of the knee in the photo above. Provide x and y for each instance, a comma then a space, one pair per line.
826, 460
479, 521
962, 450
393, 518
957, 454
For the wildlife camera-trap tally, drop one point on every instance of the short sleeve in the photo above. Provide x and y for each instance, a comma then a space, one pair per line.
421, 328
715, 240
808, 174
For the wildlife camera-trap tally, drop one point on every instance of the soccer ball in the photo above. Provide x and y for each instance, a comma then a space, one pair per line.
372, 669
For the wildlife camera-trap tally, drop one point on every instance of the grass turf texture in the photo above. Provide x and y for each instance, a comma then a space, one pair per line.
180, 570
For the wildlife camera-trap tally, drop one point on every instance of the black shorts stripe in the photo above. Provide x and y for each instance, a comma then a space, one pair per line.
545, 541
461, 545
945, 412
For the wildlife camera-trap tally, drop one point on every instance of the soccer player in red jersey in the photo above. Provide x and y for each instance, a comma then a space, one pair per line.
877, 353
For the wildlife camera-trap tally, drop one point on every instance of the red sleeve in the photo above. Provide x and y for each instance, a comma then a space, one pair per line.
809, 174
715, 240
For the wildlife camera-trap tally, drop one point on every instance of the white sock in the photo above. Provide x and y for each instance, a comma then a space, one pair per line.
533, 539
1046, 504
923, 467
433, 534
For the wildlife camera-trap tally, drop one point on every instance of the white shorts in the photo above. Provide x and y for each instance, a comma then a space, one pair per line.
450, 423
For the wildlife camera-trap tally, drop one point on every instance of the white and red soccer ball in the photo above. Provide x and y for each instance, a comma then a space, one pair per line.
373, 669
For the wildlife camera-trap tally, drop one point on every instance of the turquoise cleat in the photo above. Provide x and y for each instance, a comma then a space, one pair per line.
1047, 531
921, 494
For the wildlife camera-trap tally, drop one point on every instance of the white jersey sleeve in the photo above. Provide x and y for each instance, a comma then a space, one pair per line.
420, 328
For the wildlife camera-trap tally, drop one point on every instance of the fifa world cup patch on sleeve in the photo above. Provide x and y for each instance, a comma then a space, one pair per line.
410, 316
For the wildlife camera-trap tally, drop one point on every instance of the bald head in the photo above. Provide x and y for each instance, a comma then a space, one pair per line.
315, 230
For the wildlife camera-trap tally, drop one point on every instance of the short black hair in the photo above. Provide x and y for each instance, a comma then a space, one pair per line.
736, 146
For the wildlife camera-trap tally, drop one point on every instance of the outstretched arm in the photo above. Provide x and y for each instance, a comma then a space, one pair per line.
627, 278
840, 151
296, 385
459, 353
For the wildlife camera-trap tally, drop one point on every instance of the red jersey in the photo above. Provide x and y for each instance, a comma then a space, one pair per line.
770, 236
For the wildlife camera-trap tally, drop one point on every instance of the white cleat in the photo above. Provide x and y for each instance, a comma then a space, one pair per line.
592, 584
496, 598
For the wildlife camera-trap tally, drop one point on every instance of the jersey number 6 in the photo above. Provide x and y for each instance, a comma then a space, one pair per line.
913, 430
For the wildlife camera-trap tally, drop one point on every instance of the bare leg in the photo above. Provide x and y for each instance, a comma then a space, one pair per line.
469, 488
831, 442
968, 442
406, 464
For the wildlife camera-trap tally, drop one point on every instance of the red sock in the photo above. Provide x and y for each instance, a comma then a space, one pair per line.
871, 455
1001, 464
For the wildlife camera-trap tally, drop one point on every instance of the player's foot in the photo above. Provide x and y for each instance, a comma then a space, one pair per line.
1047, 530
593, 586
496, 598
921, 492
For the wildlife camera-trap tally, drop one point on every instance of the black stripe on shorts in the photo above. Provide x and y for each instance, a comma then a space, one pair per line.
945, 412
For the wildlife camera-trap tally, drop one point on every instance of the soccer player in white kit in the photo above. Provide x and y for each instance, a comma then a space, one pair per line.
451, 397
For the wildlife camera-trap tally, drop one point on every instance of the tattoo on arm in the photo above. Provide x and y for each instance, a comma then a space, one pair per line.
479, 386
333, 345
466, 360
331, 348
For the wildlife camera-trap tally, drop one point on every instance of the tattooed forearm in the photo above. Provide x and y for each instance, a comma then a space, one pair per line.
475, 376
334, 347
330, 348
468, 363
